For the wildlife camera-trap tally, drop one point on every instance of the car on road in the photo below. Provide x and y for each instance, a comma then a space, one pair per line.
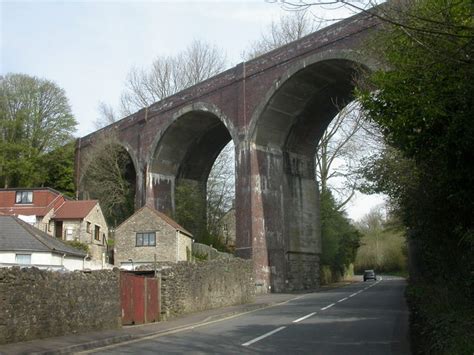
369, 274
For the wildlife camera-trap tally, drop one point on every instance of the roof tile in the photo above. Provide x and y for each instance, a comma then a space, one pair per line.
75, 209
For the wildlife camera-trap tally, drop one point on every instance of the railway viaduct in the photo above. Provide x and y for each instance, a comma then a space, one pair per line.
275, 109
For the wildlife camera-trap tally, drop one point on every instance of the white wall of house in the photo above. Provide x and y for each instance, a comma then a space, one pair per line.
42, 260
73, 263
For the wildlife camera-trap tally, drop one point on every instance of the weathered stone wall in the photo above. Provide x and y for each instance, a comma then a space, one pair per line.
209, 253
37, 304
185, 246
192, 287
96, 247
145, 220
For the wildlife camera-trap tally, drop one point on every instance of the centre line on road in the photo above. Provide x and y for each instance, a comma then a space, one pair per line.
263, 336
344, 299
303, 318
332, 304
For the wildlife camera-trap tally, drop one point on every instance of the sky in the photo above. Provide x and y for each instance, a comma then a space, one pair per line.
88, 47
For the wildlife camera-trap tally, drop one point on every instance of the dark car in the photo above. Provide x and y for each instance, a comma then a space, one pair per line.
369, 274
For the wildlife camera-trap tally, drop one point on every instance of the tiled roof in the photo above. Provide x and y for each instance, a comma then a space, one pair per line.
16, 235
75, 209
170, 221
44, 200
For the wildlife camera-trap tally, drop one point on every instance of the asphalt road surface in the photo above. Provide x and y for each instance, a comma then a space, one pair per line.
363, 318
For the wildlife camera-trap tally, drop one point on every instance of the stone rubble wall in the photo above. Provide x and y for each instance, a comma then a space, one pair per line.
193, 287
38, 304
209, 252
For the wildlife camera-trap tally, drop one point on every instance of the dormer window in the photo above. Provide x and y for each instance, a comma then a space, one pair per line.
24, 197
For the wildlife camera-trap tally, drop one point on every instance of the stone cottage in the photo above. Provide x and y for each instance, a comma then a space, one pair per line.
82, 221
149, 234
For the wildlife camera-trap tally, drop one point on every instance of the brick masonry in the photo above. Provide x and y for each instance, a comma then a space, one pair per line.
275, 108
38, 304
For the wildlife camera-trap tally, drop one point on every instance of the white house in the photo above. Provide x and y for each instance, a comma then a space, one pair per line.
22, 244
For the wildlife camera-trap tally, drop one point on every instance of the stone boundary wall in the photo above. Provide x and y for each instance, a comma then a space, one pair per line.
210, 252
192, 287
38, 304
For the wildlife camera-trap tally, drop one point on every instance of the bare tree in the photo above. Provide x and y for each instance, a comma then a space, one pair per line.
107, 115
340, 151
171, 74
288, 28
220, 188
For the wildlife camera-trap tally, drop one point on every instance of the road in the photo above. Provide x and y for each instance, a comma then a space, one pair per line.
362, 318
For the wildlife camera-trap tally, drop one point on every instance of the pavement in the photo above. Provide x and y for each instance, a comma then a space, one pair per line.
86, 341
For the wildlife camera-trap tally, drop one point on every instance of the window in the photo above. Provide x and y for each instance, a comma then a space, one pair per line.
24, 197
23, 259
97, 233
69, 233
146, 239
88, 228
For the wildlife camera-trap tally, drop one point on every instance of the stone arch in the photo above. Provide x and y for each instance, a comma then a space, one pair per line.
185, 150
353, 56
283, 133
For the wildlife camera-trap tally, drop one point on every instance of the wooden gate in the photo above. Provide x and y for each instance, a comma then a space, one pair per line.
140, 298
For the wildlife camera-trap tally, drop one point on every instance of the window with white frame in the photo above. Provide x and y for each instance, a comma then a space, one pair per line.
23, 259
69, 233
147, 239
24, 197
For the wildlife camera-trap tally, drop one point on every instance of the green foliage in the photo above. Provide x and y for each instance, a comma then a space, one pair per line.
191, 214
58, 166
35, 118
78, 245
441, 321
190, 210
200, 256
339, 238
424, 106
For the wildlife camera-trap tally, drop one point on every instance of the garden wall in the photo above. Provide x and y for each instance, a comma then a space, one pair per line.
192, 287
38, 304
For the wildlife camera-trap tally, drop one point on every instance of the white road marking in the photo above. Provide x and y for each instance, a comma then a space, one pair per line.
332, 304
263, 336
354, 294
344, 299
303, 318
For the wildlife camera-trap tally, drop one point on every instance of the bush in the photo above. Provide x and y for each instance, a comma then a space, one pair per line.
78, 245
441, 320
